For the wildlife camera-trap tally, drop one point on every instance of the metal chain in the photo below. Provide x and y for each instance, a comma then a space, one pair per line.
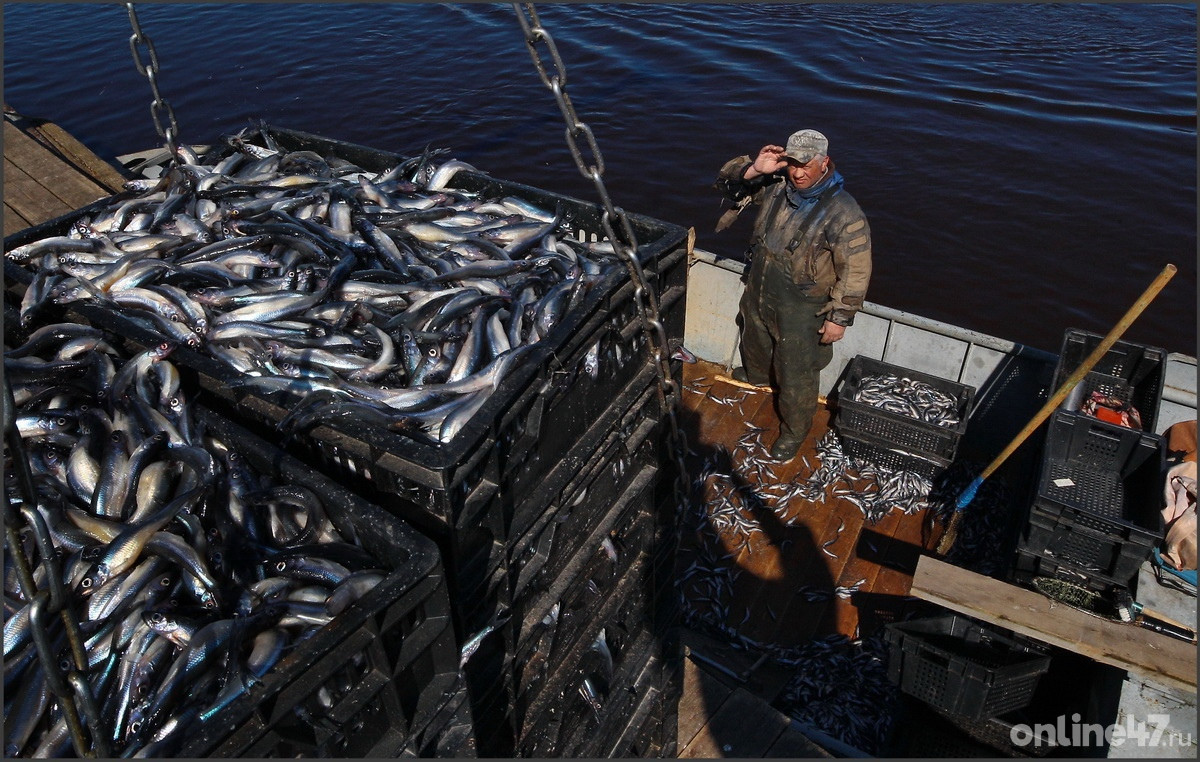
72, 691
149, 70
621, 235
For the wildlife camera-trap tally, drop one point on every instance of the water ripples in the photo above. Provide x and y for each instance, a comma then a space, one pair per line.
1003, 152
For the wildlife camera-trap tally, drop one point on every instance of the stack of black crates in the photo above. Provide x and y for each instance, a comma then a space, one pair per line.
1096, 514
550, 508
381, 679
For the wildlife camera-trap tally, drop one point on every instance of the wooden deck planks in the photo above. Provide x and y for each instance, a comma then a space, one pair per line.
773, 568
718, 721
48, 173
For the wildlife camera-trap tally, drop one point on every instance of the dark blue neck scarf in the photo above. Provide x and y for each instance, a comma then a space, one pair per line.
809, 196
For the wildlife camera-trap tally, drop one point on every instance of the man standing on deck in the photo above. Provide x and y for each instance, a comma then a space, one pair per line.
810, 263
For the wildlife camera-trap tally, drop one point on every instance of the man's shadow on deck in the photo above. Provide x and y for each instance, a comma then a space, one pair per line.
739, 629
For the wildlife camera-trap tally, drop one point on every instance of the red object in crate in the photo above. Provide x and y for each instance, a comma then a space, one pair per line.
1112, 410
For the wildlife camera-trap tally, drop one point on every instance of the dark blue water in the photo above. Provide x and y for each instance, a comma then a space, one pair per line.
1026, 168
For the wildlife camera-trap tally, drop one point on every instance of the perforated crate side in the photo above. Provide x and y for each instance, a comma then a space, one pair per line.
880, 453
449, 732
577, 521
566, 725
1096, 546
1029, 564
896, 429
1140, 366
548, 473
623, 615
384, 661
962, 666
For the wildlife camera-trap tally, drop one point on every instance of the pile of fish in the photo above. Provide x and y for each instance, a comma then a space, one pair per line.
387, 297
189, 572
876, 490
841, 687
909, 397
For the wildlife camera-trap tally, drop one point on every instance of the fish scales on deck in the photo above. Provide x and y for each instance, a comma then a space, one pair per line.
451, 346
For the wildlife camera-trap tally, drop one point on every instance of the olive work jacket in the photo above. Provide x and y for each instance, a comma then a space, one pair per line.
827, 253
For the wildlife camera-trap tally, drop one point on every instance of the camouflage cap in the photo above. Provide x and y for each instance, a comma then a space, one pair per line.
805, 145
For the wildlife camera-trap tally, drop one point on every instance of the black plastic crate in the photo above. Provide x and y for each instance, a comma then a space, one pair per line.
1028, 565
652, 730
395, 646
567, 725
450, 732
627, 430
1097, 502
898, 429
588, 564
624, 616
1132, 372
879, 452
962, 666
533, 415
576, 519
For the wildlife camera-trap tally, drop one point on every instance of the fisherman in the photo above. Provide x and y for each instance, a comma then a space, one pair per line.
810, 263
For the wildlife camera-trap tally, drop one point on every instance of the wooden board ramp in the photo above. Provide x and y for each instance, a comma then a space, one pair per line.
48, 173
1149, 655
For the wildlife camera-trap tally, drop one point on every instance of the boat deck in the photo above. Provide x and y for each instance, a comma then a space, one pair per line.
781, 555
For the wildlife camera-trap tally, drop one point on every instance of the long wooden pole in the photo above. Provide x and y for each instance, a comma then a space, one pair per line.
968, 494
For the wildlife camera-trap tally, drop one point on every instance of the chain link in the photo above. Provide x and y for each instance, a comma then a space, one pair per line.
149, 69
620, 234
44, 604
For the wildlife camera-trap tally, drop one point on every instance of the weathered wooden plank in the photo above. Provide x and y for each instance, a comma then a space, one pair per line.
744, 726
60, 178
1154, 657
13, 221
792, 744
702, 697
80, 155
29, 198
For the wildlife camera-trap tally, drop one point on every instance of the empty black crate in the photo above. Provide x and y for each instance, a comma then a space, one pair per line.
880, 452
1132, 372
1097, 503
901, 430
962, 666
394, 647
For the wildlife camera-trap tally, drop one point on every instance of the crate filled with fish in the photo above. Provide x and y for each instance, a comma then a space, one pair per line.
1098, 496
590, 697
573, 508
1125, 386
450, 731
400, 321
630, 429
964, 667
225, 598
586, 619
903, 409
